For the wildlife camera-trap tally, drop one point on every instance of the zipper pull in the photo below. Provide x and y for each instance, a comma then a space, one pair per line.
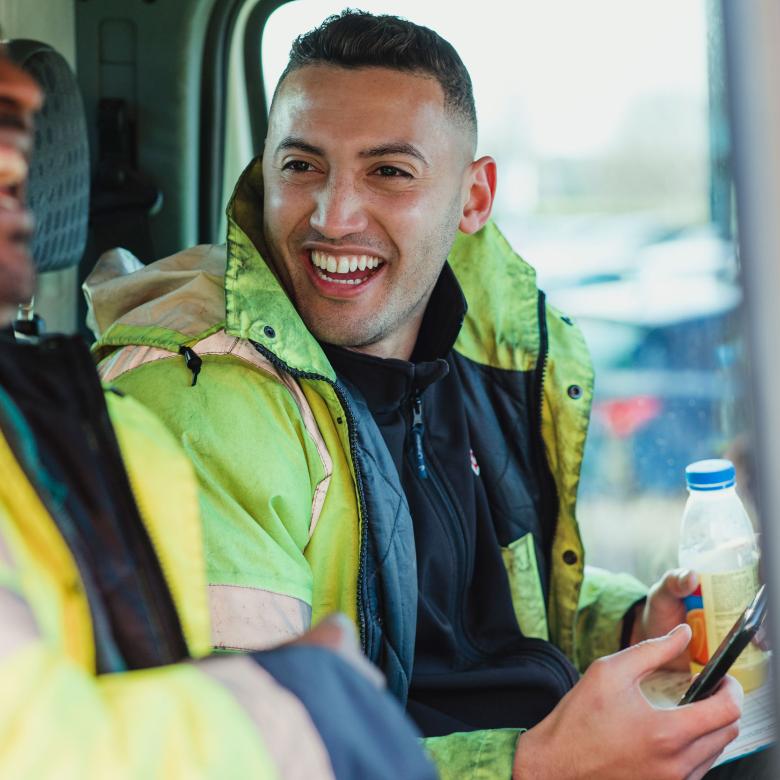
417, 435
192, 361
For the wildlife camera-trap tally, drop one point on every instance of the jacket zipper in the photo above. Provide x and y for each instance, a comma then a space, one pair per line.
418, 430
351, 430
432, 479
549, 489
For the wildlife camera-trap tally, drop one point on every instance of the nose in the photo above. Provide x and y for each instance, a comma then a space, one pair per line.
339, 209
18, 88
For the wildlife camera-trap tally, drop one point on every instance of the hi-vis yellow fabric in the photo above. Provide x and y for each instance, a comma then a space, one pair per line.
59, 720
259, 467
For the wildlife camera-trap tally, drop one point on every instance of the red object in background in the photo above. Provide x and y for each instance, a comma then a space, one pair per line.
625, 416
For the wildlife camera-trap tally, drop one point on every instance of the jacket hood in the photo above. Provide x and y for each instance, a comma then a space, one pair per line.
175, 301
182, 299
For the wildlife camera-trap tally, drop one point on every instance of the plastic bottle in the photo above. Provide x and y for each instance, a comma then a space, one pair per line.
717, 542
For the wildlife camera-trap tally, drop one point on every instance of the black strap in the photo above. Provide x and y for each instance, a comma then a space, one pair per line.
80, 474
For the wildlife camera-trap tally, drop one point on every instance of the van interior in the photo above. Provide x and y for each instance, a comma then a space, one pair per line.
639, 173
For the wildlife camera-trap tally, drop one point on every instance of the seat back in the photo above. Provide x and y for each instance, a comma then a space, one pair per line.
58, 187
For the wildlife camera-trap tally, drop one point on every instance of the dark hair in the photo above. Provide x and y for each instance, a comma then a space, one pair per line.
357, 39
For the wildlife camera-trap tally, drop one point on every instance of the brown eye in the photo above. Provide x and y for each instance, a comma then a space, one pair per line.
390, 171
299, 166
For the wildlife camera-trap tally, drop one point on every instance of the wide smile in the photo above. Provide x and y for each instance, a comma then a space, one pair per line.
15, 220
340, 274
15, 147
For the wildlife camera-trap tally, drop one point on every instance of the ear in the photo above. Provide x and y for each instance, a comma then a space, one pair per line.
480, 190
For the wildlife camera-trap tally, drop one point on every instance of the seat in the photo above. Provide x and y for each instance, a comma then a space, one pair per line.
58, 185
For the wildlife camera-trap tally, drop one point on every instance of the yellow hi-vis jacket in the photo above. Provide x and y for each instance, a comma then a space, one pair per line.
220, 717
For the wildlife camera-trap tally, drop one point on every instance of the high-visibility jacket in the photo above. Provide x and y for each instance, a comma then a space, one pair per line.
297, 712
303, 509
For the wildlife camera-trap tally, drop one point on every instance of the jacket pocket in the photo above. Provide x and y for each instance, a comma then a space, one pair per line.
526, 587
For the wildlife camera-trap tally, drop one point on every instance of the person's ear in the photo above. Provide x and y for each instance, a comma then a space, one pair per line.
480, 190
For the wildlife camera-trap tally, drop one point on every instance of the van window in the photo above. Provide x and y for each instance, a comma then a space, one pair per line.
608, 123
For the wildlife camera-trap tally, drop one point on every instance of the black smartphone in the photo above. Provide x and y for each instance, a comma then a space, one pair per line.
728, 651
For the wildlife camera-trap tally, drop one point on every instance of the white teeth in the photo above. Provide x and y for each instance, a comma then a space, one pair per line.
13, 167
338, 281
343, 264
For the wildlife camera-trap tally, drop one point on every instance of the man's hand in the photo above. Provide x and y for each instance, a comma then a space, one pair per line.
337, 633
664, 609
605, 728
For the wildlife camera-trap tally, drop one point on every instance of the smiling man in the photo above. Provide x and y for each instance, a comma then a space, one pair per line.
387, 419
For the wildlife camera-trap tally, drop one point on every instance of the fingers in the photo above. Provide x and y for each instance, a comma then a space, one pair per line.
710, 747
761, 639
720, 710
337, 633
651, 654
680, 582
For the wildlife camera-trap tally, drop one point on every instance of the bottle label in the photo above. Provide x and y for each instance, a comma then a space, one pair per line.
694, 607
713, 608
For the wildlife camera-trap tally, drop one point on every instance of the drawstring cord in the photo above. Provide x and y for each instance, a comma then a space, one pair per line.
192, 361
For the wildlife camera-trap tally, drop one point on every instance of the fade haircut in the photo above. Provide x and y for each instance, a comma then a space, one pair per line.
358, 39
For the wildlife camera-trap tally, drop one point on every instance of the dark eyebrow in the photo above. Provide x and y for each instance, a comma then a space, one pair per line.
399, 147
291, 142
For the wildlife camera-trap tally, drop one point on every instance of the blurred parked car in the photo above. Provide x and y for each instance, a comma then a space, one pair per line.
664, 337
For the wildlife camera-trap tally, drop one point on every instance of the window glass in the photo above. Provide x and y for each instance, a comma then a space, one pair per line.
607, 121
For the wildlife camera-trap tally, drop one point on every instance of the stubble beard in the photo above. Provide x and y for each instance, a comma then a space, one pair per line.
338, 328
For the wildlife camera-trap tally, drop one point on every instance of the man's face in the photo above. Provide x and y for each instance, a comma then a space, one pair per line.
20, 98
365, 177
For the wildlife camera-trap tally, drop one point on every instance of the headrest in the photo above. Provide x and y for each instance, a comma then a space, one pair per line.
58, 188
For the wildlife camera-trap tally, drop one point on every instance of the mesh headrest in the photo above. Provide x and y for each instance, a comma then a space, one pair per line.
58, 188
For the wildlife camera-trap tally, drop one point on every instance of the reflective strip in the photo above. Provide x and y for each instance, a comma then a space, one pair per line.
221, 343
245, 618
128, 358
284, 724
17, 623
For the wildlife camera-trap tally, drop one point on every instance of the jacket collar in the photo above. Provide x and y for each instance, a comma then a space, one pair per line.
256, 305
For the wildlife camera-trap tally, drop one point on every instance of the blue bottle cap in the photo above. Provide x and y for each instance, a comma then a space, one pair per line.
713, 474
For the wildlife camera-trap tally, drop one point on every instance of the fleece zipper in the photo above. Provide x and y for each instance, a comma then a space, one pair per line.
433, 481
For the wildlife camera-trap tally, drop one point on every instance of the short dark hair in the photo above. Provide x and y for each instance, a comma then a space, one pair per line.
358, 39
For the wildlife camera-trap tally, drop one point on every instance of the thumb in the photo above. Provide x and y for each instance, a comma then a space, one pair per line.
647, 656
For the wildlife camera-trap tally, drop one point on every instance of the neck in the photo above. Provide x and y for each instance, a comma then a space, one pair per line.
399, 344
